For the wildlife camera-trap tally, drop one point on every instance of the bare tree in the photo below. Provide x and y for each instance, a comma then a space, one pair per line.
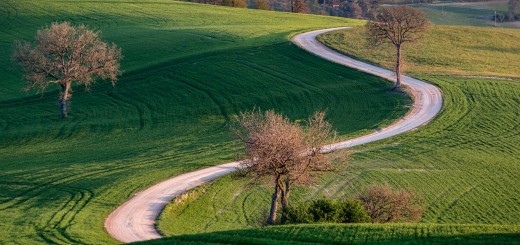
354, 10
64, 54
286, 151
397, 25
386, 205
299, 6
512, 8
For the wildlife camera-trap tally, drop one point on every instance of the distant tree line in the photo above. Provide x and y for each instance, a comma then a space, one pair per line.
406, 1
360, 9
357, 9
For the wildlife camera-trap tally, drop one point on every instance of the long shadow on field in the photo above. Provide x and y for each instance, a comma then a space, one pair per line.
347, 234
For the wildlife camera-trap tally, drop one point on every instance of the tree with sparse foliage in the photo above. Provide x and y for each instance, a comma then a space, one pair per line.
383, 204
63, 54
299, 6
284, 150
354, 10
512, 9
397, 25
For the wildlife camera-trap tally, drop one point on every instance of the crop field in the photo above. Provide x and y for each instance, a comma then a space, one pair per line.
356, 234
188, 69
467, 13
465, 163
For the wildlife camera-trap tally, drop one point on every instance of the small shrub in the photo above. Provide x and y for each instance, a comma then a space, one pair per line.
386, 205
299, 214
327, 210
324, 210
351, 211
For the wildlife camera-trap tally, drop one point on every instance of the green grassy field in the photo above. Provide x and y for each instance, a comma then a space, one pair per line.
356, 234
445, 50
466, 163
188, 69
467, 13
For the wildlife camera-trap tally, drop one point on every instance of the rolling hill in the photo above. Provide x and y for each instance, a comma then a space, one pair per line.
465, 163
188, 69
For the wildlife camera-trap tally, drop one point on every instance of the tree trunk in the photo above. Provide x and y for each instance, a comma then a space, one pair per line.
285, 200
274, 202
64, 96
398, 68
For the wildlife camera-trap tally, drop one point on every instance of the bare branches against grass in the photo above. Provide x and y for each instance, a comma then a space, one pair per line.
287, 151
397, 25
64, 54
384, 204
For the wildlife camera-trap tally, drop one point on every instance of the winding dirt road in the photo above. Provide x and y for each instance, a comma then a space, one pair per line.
135, 219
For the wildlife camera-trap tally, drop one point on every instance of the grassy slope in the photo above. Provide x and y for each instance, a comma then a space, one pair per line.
445, 50
467, 14
465, 163
188, 69
356, 234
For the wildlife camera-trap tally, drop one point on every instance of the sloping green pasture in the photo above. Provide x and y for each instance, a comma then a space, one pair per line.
188, 69
465, 163
467, 13
444, 50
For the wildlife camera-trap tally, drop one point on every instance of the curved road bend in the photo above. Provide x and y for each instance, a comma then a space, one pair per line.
135, 219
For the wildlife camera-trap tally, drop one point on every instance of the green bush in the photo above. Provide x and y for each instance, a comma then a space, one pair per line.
327, 210
299, 214
351, 211
324, 210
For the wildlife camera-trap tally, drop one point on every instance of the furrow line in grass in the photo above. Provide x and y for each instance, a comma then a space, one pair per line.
57, 225
279, 76
118, 99
244, 201
85, 196
213, 99
40, 188
456, 200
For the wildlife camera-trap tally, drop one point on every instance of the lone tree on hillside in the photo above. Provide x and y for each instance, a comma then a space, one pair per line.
286, 151
397, 25
63, 54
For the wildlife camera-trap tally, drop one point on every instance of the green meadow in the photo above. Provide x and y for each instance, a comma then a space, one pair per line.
465, 163
188, 69
468, 13
444, 50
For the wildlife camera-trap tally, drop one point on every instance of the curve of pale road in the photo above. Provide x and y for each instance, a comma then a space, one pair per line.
135, 219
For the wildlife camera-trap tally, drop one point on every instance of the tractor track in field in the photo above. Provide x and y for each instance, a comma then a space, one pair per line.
135, 219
